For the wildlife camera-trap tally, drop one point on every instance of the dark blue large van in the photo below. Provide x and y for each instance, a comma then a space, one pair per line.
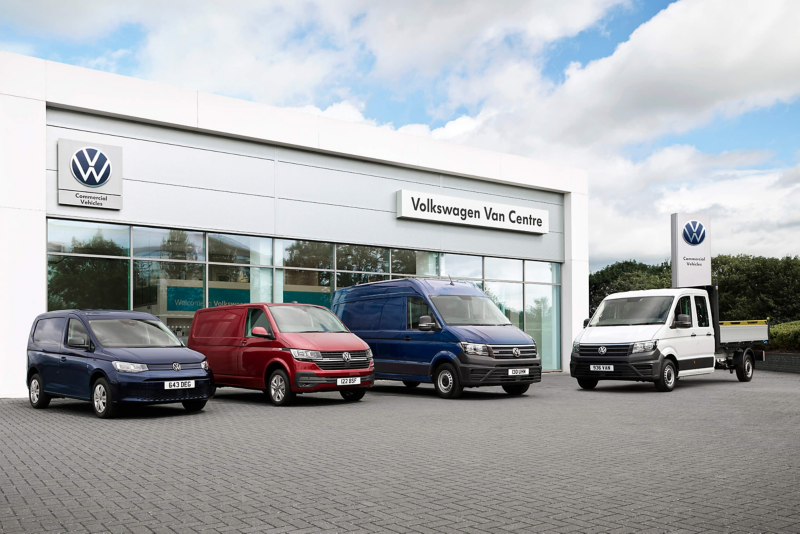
440, 331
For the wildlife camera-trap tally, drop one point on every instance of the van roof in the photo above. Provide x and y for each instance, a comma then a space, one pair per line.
408, 286
672, 292
96, 314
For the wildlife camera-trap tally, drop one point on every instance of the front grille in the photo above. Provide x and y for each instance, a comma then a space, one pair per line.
506, 352
501, 375
155, 392
612, 349
621, 370
168, 366
333, 361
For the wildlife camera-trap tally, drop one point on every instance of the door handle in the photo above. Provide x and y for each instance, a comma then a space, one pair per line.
244, 342
63, 358
694, 335
407, 338
709, 334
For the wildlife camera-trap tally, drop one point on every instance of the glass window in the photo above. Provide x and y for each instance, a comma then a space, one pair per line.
684, 306
468, 310
228, 284
358, 258
48, 332
81, 237
702, 311
508, 298
416, 308
543, 322
354, 279
415, 262
308, 254
304, 287
459, 266
161, 243
544, 272
257, 317
75, 282
634, 311
76, 329
169, 290
299, 319
224, 248
131, 333
503, 269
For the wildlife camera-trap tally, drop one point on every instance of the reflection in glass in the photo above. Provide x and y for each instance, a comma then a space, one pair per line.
225, 248
358, 258
354, 279
508, 298
309, 254
543, 272
460, 266
543, 322
304, 287
503, 269
228, 284
160, 243
88, 238
416, 262
171, 291
76, 282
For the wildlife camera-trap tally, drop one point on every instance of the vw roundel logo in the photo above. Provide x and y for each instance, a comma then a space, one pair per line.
176, 366
346, 356
515, 351
90, 167
602, 351
694, 233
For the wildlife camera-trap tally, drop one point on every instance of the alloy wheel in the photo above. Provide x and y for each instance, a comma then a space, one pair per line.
278, 388
100, 398
34, 391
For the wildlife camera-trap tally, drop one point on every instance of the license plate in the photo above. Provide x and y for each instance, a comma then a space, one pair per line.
179, 384
349, 381
601, 367
517, 372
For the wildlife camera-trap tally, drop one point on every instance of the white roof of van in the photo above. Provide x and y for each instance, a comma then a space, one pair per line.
673, 292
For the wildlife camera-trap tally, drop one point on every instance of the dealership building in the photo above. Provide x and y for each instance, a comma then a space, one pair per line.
119, 193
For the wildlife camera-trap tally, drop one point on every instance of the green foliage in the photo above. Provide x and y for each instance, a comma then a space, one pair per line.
628, 275
784, 336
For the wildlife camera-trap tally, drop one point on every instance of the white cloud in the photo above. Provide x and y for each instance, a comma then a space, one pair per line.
109, 61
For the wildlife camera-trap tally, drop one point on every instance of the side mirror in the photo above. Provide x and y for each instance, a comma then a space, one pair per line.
426, 324
260, 331
682, 320
586, 322
77, 343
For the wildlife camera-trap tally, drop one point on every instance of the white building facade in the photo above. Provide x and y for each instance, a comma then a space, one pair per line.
125, 194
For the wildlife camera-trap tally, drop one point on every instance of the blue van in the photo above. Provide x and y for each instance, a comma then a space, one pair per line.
441, 331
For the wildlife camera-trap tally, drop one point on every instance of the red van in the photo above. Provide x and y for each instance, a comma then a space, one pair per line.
282, 349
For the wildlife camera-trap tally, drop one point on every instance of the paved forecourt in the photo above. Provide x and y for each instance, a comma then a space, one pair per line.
713, 456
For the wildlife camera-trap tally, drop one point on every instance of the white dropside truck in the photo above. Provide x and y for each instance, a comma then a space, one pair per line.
662, 335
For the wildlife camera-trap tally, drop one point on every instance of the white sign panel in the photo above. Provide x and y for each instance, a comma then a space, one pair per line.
469, 212
89, 174
691, 250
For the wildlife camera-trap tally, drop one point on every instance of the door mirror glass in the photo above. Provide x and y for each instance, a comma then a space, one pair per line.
426, 324
77, 343
260, 331
683, 321
586, 322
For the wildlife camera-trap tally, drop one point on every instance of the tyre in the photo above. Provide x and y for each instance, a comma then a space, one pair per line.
669, 376
39, 399
353, 395
279, 389
446, 382
103, 404
587, 383
744, 372
515, 390
410, 383
194, 405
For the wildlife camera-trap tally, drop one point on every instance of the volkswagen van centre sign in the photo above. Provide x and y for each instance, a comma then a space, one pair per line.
465, 211
89, 175
691, 250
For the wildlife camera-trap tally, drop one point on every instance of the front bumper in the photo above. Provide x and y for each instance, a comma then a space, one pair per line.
310, 382
148, 387
478, 371
639, 367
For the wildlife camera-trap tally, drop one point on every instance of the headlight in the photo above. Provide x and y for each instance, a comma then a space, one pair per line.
301, 354
204, 365
127, 367
369, 354
475, 349
576, 347
644, 346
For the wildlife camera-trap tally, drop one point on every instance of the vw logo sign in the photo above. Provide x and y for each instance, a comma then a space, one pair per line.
346, 356
694, 233
602, 351
90, 167
515, 351
176, 366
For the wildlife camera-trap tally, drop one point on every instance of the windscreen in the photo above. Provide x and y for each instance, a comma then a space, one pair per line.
459, 310
305, 319
132, 333
632, 311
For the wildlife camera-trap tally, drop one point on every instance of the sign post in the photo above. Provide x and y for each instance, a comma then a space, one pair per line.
691, 250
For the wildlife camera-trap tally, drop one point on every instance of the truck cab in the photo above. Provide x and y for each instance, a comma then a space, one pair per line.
657, 336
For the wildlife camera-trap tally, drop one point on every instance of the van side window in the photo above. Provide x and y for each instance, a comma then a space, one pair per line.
684, 307
702, 311
256, 317
416, 308
49, 333
76, 329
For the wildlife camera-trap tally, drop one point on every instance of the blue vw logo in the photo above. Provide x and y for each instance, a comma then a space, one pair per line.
694, 232
90, 167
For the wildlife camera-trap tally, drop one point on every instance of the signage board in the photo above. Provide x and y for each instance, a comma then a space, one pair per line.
468, 212
89, 174
691, 250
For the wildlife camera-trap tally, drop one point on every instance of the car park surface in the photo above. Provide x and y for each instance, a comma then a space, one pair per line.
558, 459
